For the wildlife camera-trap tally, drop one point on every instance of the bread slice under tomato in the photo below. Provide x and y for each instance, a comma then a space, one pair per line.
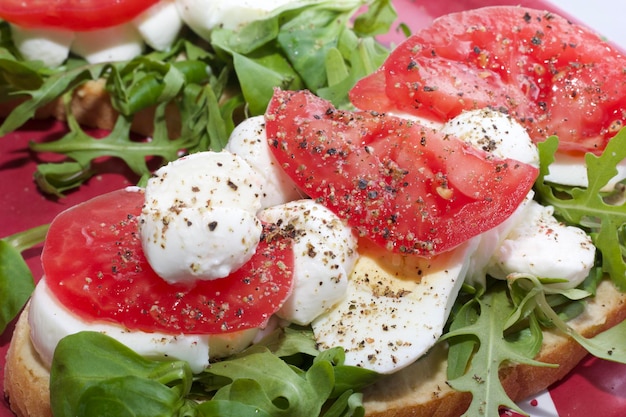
419, 390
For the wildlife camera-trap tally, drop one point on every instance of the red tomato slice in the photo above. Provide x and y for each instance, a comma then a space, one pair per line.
94, 264
553, 76
77, 15
406, 187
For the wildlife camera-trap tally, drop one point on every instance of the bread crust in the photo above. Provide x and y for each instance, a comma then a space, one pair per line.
419, 390
26, 377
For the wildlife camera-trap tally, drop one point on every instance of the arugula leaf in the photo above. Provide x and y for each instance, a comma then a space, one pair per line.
52, 88
306, 44
493, 347
598, 211
200, 114
607, 345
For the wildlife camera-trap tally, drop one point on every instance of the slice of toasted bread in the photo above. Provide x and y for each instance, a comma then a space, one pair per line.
419, 390
26, 377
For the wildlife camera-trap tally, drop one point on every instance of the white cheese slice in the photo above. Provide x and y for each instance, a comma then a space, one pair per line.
395, 309
50, 46
50, 321
117, 43
204, 15
160, 25
572, 170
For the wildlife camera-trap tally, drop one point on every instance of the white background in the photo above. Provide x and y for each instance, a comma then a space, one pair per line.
607, 17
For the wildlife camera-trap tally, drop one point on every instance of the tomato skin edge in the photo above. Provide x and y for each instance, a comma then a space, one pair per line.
553, 76
72, 15
94, 265
415, 193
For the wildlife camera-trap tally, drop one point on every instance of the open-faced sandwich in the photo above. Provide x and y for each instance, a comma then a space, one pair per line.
443, 240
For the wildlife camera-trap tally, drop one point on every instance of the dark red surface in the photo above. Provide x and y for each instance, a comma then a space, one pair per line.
595, 388
22, 206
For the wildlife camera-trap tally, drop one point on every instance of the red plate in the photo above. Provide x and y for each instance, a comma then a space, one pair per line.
594, 388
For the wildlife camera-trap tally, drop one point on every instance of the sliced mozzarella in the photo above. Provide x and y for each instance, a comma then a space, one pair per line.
118, 43
543, 247
159, 25
199, 219
324, 254
50, 321
204, 15
50, 46
494, 132
572, 170
395, 309
248, 140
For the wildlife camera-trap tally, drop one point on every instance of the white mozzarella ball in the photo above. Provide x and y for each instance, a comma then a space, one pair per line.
543, 247
199, 218
325, 250
159, 25
51, 46
248, 140
494, 132
117, 43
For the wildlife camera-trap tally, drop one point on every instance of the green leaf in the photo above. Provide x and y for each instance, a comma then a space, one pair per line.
55, 178
307, 39
495, 349
128, 396
307, 45
462, 347
261, 379
377, 20
53, 87
221, 408
351, 60
348, 404
259, 73
16, 280
291, 341
17, 74
608, 345
88, 366
16, 283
